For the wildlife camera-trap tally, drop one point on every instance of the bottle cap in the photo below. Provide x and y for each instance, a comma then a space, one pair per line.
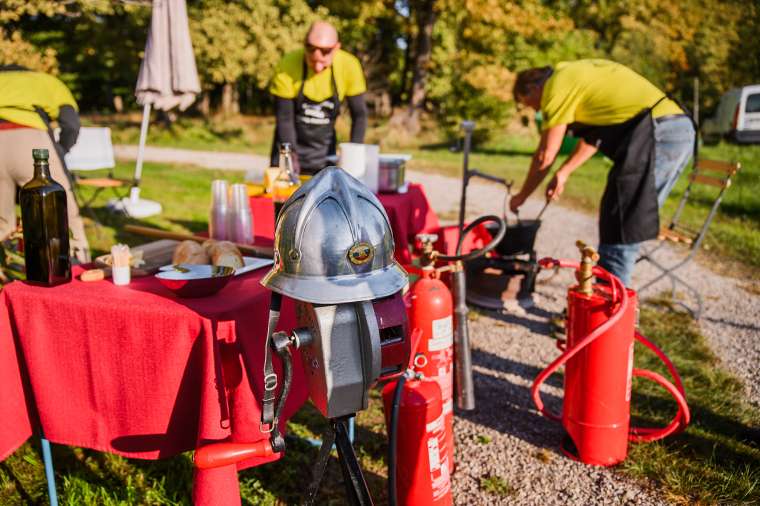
40, 154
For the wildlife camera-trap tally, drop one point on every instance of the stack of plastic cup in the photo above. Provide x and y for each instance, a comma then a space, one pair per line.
219, 215
240, 220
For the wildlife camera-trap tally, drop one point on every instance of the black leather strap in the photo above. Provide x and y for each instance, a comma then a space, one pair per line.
281, 345
270, 378
668, 117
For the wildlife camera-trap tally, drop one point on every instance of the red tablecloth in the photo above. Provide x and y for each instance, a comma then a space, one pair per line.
409, 214
137, 371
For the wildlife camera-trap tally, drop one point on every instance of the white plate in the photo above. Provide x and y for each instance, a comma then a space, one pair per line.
251, 264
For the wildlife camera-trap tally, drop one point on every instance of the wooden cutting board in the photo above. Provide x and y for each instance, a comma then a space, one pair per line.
155, 254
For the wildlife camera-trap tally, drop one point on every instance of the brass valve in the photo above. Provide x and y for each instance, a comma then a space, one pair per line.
428, 253
585, 276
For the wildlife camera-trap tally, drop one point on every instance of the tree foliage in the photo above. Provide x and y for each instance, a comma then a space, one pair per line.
476, 47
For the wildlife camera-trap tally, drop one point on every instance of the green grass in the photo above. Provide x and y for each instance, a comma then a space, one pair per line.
184, 192
237, 133
496, 485
717, 459
88, 477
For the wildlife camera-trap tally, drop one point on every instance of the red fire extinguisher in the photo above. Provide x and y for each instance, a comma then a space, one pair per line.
418, 461
432, 312
598, 360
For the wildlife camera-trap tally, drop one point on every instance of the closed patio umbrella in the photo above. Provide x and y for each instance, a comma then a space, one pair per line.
168, 78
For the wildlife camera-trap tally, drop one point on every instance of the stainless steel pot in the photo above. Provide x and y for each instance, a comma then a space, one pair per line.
391, 173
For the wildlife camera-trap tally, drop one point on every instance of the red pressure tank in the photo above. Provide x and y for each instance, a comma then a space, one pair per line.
431, 311
598, 360
596, 411
422, 468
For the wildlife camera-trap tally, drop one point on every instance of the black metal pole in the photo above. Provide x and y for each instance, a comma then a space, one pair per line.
463, 382
357, 491
468, 127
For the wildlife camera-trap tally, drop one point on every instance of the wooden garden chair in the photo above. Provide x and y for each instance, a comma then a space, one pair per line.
712, 173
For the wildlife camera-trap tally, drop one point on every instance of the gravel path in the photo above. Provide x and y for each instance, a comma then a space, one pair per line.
731, 315
508, 453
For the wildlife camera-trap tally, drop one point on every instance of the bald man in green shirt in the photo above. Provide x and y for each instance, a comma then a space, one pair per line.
614, 110
28, 102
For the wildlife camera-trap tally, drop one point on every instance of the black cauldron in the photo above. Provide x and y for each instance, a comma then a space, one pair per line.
520, 237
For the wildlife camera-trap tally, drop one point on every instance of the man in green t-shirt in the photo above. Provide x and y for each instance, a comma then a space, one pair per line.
29, 101
614, 110
308, 87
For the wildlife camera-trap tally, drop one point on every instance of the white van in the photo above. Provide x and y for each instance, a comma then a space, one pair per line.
737, 117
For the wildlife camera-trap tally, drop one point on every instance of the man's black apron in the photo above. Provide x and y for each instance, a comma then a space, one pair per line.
629, 212
315, 127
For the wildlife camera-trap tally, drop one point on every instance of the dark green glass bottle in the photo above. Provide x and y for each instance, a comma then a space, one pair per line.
46, 226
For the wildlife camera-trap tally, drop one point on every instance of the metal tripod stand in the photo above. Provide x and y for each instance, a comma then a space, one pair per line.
357, 492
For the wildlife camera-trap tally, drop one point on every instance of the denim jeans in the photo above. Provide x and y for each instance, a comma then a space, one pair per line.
674, 145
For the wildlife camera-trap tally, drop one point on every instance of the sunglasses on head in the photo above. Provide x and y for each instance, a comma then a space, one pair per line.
324, 50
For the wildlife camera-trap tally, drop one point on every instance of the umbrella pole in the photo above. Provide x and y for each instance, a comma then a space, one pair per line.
133, 205
141, 147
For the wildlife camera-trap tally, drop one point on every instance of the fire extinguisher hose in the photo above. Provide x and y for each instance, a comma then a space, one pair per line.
393, 440
478, 252
683, 417
619, 294
569, 353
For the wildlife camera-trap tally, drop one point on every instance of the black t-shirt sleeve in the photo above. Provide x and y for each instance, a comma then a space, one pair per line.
284, 112
357, 105
68, 120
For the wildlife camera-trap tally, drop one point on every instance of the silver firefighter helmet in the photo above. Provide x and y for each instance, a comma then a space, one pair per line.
333, 244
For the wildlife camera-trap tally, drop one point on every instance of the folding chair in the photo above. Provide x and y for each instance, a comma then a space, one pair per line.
706, 172
93, 151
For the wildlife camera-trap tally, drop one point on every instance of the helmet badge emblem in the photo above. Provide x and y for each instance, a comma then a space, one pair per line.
361, 253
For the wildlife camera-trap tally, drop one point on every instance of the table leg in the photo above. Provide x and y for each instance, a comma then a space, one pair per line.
47, 457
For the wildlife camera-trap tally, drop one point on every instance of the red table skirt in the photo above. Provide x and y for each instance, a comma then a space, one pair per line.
409, 214
137, 371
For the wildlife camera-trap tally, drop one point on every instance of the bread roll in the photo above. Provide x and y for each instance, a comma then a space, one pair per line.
190, 252
224, 253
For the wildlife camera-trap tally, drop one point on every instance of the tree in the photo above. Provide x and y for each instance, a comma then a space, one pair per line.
234, 39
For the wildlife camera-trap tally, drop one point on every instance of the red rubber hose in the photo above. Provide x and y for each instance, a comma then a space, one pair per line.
618, 291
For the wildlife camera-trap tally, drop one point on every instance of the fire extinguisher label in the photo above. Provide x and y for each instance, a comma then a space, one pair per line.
437, 458
433, 454
443, 334
629, 381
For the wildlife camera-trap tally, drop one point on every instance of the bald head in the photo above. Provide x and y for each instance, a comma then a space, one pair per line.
321, 45
322, 34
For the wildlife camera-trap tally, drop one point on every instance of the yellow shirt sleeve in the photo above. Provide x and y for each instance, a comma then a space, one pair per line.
559, 102
286, 74
21, 91
353, 76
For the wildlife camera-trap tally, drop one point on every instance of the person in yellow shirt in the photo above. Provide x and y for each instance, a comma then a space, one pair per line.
29, 101
308, 87
614, 110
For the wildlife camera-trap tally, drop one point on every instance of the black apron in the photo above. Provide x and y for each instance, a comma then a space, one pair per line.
628, 212
315, 128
